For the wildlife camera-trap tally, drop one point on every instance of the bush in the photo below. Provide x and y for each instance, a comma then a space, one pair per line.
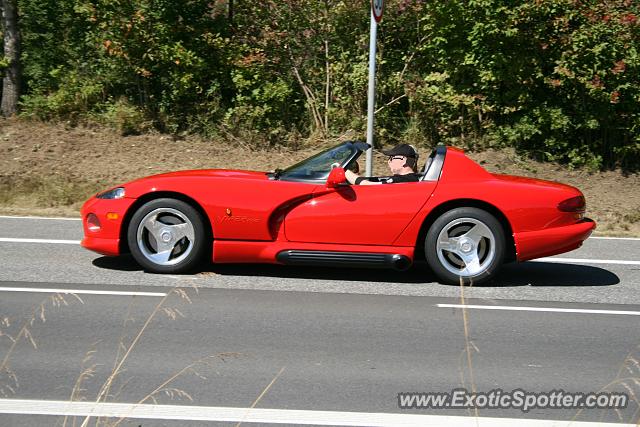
127, 119
558, 79
72, 100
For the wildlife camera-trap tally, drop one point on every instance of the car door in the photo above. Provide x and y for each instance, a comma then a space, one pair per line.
358, 214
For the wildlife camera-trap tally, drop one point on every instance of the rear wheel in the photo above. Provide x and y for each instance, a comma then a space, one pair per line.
465, 244
167, 236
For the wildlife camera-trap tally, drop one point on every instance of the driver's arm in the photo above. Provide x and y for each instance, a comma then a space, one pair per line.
352, 178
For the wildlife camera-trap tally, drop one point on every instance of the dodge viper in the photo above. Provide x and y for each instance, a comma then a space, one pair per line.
462, 220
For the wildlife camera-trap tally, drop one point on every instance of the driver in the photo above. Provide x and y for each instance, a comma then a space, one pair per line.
402, 163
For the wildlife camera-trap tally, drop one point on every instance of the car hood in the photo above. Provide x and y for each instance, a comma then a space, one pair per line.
222, 173
200, 173
172, 180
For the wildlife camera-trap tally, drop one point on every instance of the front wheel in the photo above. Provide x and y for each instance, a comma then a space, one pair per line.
465, 244
167, 236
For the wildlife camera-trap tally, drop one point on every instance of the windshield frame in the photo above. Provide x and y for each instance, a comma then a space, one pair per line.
348, 152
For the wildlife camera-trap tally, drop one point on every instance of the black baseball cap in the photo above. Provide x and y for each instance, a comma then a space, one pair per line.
405, 150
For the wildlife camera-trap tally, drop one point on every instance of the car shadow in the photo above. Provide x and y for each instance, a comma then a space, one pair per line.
414, 275
374, 275
537, 274
120, 263
541, 274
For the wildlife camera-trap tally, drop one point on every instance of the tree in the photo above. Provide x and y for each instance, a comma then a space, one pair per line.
11, 80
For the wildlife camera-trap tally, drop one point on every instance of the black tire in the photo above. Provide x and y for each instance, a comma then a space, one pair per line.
167, 236
465, 244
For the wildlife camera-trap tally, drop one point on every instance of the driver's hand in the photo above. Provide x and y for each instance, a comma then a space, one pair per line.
351, 177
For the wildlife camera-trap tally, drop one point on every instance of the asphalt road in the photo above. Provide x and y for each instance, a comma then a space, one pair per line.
342, 340
537, 281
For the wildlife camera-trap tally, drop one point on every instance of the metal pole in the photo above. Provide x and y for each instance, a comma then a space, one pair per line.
371, 104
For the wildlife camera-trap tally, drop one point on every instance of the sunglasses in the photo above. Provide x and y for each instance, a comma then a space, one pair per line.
392, 158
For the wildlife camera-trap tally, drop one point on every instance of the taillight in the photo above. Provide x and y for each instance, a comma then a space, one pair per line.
574, 204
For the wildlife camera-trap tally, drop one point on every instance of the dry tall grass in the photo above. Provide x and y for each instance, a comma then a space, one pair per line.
9, 381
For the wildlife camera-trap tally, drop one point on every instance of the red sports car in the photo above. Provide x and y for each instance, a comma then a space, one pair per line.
465, 221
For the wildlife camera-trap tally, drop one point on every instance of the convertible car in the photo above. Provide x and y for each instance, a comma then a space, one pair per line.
464, 221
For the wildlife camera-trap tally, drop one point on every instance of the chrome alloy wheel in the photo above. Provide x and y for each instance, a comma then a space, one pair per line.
466, 247
165, 236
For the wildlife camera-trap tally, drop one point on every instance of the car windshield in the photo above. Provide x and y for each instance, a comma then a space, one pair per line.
317, 168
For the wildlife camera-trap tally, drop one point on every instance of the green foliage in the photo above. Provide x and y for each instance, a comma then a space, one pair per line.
74, 98
126, 118
4, 63
558, 79
262, 104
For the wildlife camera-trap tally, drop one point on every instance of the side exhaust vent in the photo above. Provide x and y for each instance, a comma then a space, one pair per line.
344, 259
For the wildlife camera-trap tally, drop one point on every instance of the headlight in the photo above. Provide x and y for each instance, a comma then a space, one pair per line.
116, 193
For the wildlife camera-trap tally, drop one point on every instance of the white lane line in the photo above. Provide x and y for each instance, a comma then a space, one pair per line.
82, 291
273, 416
544, 309
40, 217
54, 241
613, 238
546, 259
587, 261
